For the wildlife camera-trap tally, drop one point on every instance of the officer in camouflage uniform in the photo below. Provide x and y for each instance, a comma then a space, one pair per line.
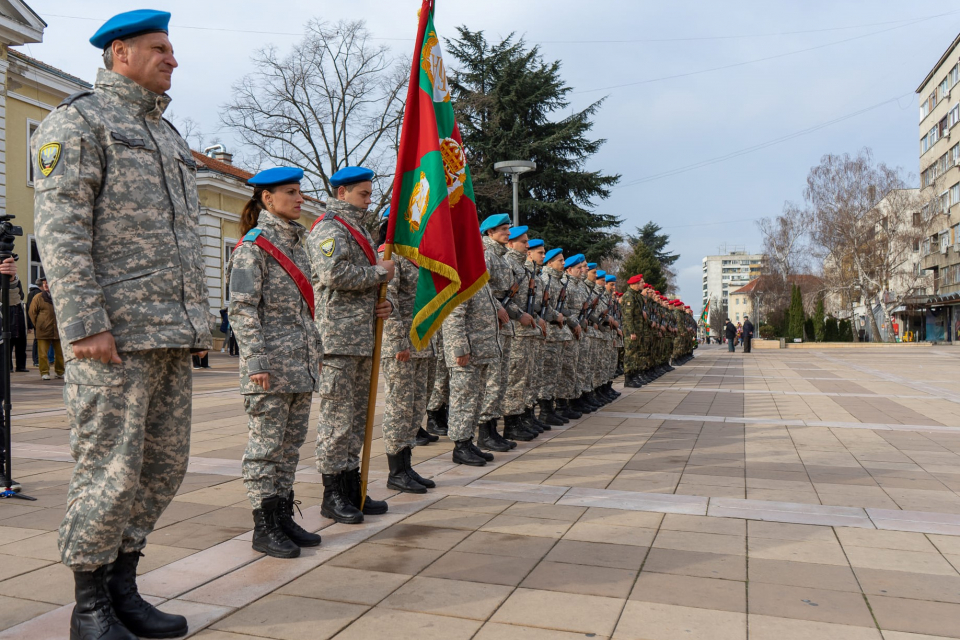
522, 361
634, 330
558, 334
577, 303
601, 313
346, 278
535, 394
116, 216
588, 403
471, 342
506, 292
279, 355
439, 385
407, 378
610, 329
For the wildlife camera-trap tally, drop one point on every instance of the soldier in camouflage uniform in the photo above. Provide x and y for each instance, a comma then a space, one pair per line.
279, 355
522, 361
117, 219
634, 330
346, 278
610, 329
601, 313
586, 403
577, 304
438, 403
536, 392
506, 292
558, 334
407, 377
471, 343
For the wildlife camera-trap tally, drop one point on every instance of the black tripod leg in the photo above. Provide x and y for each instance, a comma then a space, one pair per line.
6, 469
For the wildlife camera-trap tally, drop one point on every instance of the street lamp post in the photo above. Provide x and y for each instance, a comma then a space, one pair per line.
514, 168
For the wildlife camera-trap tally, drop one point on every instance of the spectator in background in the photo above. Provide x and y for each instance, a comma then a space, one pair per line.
730, 333
45, 328
201, 362
230, 340
32, 291
18, 331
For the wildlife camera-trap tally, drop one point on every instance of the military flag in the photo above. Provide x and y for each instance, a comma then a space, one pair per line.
433, 216
706, 310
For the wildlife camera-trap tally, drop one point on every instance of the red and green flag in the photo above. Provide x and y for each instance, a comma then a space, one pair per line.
433, 216
706, 310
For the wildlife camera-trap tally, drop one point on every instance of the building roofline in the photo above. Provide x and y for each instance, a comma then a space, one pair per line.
48, 68
946, 54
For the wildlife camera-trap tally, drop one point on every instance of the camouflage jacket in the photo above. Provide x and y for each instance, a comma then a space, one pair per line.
576, 297
501, 280
631, 305
117, 214
517, 263
472, 329
552, 281
396, 329
593, 314
268, 314
344, 282
604, 309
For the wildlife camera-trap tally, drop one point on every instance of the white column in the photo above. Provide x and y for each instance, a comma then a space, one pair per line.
4, 65
211, 247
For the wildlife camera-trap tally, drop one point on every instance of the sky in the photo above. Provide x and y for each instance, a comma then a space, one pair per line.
688, 87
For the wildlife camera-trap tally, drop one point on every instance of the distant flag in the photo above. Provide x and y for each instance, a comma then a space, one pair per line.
706, 310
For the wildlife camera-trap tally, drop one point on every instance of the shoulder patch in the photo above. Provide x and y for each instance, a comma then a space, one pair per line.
328, 246
252, 235
69, 100
48, 156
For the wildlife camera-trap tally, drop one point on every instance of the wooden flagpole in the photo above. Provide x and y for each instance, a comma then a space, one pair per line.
374, 379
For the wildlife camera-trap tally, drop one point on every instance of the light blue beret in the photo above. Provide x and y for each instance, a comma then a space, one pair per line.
591, 265
516, 232
494, 221
533, 244
573, 261
550, 255
275, 176
386, 213
130, 24
350, 175
610, 278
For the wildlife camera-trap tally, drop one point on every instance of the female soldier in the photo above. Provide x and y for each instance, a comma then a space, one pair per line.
271, 313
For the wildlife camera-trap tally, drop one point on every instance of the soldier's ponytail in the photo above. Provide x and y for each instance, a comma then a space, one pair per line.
251, 211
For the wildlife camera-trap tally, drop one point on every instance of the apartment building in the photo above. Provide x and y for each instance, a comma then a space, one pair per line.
731, 269
937, 315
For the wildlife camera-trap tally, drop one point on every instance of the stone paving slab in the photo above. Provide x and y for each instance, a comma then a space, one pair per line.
644, 520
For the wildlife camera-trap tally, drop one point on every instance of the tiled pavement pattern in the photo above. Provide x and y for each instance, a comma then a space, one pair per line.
784, 494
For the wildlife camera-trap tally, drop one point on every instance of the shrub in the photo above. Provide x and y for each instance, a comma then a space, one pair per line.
845, 331
767, 332
830, 331
808, 331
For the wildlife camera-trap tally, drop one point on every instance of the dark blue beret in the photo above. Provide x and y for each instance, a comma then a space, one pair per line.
350, 175
275, 176
129, 24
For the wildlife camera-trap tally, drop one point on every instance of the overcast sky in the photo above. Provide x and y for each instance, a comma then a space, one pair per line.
685, 83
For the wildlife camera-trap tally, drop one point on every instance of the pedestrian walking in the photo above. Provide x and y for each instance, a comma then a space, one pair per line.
44, 320
730, 334
272, 311
117, 221
747, 334
346, 278
33, 290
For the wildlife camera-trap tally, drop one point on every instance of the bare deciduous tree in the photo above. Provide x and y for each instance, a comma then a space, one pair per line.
785, 241
335, 100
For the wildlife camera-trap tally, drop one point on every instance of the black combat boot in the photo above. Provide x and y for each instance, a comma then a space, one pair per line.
463, 453
93, 616
600, 393
567, 410
555, 409
371, 507
407, 455
579, 406
336, 503
480, 452
499, 438
513, 430
588, 403
486, 439
632, 381
399, 479
530, 422
268, 535
612, 391
137, 615
423, 438
300, 536
547, 416
435, 424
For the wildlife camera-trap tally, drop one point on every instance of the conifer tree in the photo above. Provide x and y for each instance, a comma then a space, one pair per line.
819, 326
643, 261
796, 313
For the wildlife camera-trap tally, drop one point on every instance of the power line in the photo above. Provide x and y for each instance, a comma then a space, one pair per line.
748, 62
756, 147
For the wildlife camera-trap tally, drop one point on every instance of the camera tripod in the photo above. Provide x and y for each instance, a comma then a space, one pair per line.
7, 233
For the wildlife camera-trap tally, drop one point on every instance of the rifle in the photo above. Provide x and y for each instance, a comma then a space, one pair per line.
512, 291
562, 298
531, 294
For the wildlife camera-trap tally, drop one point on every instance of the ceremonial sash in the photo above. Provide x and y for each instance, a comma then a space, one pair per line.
359, 237
302, 282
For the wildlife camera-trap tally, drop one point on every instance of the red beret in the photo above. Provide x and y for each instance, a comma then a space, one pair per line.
635, 279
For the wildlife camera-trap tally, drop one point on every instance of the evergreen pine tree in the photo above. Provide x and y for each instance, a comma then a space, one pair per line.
796, 313
818, 320
507, 100
643, 261
649, 234
831, 332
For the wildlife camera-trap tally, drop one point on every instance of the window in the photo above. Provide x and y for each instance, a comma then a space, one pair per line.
34, 266
31, 129
944, 241
954, 115
955, 194
954, 75
916, 219
924, 110
943, 89
945, 202
228, 245
932, 101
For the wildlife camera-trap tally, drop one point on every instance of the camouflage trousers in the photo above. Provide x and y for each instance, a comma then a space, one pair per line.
610, 359
634, 355
550, 369
407, 385
492, 407
535, 388
519, 374
467, 387
344, 394
130, 436
569, 364
586, 364
278, 425
440, 389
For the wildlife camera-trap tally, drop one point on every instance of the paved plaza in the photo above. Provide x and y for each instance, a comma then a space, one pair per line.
780, 495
